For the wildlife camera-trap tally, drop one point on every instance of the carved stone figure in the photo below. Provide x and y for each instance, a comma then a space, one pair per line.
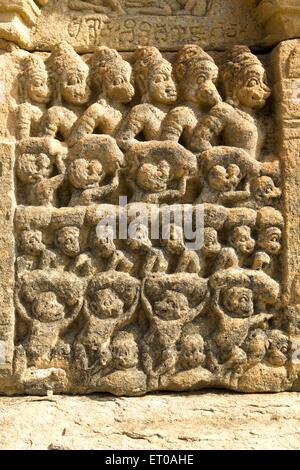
246, 91
153, 77
239, 301
48, 302
40, 167
110, 305
69, 78
111, 76
158, 171
35, 93
169, 302
196, 74
93, 170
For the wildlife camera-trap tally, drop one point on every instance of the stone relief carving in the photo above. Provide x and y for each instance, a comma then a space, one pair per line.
143, 7
100, 312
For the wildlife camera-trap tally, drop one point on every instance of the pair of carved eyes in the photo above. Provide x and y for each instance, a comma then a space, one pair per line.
76, 80
161, 78
118, 81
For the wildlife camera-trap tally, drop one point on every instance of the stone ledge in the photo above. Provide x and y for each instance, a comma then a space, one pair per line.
213, 420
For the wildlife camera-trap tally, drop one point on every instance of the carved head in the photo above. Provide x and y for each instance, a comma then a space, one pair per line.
112, 75
102, 244
244, 79
278, 348
197, 74
46, 308
211, 245
240, 238
106, 304
138, 239
31, 242
224, 178
174, 306
238, 301
191, 351
256, 345
270, 223
34, 80
175, 243
153, 76
67, 241
84, 173
34, 167
153, 177
124, 351
265, 191
69, 74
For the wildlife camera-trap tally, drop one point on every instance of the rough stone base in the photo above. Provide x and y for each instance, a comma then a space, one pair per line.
213, 420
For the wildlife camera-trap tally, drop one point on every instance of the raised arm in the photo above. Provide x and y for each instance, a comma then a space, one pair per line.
21, 309
145, 302
132, 126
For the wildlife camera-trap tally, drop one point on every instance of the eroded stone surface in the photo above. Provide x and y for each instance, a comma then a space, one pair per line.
200, 421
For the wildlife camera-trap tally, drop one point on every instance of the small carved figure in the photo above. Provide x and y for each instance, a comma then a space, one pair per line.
35, 94
196, 75
270, 224
227, 173
240, 223
158, 171
255, 346
110, 305
153, 77
125, 352
264, 191
111, 76
48, 302
187, 261
35, 255
191, 351
169, 302
234, 121
94, 169
279, 347
153, 260
40, 167
238, 298
69, 77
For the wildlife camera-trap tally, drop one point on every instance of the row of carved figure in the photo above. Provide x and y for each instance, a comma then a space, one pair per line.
96, 171
143, 7
179, 102
144, 151
68, 241
164, 325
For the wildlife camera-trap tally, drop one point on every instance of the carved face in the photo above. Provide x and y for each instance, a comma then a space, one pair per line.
256, 345
37, 87
278, 348
238, 302
173, 307
242, 241
104, 246
191, 351
106, 304
32, 168
176, 243
46, 308
252, 91
125, 354
270, 240
67, 240
74, 88
138, 239
199, 84
31, 242
211, 244
224, 179
265, 191
117, 84
153, 178
162, 88
84, 174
